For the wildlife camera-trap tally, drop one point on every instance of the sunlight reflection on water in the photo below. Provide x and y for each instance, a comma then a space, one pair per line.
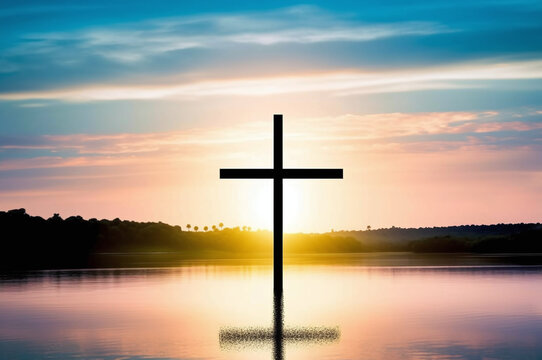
178, 313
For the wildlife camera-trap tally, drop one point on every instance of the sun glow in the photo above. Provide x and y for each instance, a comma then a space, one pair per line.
292, 205
262, 206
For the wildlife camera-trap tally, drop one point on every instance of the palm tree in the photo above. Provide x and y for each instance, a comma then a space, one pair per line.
205, 228
188, 226
368, 227
213, 227
221, 225
196, 228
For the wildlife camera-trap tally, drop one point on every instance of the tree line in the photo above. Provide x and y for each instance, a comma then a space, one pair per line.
34, 242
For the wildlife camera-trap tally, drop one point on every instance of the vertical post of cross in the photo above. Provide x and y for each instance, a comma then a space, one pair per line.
277, 204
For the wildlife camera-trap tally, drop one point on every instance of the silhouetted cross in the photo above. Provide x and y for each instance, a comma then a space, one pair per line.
278, 173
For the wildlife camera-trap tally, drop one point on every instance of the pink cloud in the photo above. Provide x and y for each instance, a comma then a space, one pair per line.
60, 162
389, 132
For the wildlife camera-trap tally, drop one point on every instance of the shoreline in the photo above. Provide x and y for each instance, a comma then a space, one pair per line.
369, 259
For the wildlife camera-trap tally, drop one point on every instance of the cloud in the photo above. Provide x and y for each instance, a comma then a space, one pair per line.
405, 125
338, 83
138, 41
373, 133
32, 105
35, 193
133, 143
47, 162
204, 47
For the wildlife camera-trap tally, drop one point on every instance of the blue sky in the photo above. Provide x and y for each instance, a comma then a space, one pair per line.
56, 45
73, 70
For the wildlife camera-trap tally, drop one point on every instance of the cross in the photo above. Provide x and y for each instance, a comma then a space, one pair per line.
277, 335
278, 173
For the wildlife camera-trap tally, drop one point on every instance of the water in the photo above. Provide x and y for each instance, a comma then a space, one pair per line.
187, 312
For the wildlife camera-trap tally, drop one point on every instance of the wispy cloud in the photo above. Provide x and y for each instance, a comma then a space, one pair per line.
139, 41
47, 162
32, 105
338, 83
392, 132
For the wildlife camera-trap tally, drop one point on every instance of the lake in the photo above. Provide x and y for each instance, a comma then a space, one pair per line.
332, 310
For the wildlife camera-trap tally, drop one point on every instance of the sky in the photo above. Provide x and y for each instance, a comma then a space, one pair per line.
128, 109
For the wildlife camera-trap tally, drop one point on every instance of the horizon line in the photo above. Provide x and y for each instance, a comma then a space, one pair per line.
249, 228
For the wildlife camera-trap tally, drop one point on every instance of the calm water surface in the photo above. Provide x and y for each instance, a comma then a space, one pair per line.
376, 312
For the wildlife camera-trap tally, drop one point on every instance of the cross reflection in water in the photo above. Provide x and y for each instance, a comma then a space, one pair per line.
277, 335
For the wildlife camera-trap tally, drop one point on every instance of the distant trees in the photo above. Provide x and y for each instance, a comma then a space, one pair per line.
368, 227
321, 243
55, 217
206, 228
33, 242
443, 244
221, 225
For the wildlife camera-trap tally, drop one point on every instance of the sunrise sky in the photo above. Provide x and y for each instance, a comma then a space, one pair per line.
128, 109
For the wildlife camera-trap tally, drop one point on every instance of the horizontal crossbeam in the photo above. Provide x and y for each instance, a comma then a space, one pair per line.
312, 173
246, 173
281, 173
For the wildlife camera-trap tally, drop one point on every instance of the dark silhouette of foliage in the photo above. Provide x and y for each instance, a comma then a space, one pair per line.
34, 242
475, 238
442, 244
